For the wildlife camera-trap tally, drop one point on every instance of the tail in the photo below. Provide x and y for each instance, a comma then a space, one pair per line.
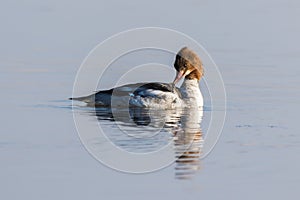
97, 99
86, 99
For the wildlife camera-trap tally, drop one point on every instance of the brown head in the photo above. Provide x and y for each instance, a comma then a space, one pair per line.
188, 65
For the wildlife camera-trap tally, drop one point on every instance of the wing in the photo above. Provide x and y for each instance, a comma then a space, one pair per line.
156, 89
141, 89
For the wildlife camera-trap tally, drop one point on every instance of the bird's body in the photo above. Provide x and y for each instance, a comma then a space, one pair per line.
157, 95
140, 95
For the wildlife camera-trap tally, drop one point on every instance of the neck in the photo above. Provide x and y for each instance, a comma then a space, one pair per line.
191, 92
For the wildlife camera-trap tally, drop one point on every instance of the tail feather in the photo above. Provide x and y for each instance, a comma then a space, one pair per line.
86, 99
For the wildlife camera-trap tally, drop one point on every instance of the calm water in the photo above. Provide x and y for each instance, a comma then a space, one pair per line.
255, 45
140, 131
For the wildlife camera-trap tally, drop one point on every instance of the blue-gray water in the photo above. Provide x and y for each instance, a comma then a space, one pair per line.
255, 45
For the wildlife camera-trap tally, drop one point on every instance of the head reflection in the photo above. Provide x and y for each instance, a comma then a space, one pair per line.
183, 127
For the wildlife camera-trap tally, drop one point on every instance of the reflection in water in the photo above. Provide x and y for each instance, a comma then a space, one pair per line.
188, 144
187, 150
141, 130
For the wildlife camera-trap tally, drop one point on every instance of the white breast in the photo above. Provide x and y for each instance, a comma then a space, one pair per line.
191, 93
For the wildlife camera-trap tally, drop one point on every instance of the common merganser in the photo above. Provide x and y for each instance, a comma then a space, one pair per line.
157, 95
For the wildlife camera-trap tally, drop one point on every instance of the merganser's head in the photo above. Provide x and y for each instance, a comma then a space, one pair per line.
188, 65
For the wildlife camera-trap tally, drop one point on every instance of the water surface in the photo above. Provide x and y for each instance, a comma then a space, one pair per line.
255, 45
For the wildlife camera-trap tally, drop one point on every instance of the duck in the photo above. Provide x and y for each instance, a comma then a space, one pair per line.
188, 66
